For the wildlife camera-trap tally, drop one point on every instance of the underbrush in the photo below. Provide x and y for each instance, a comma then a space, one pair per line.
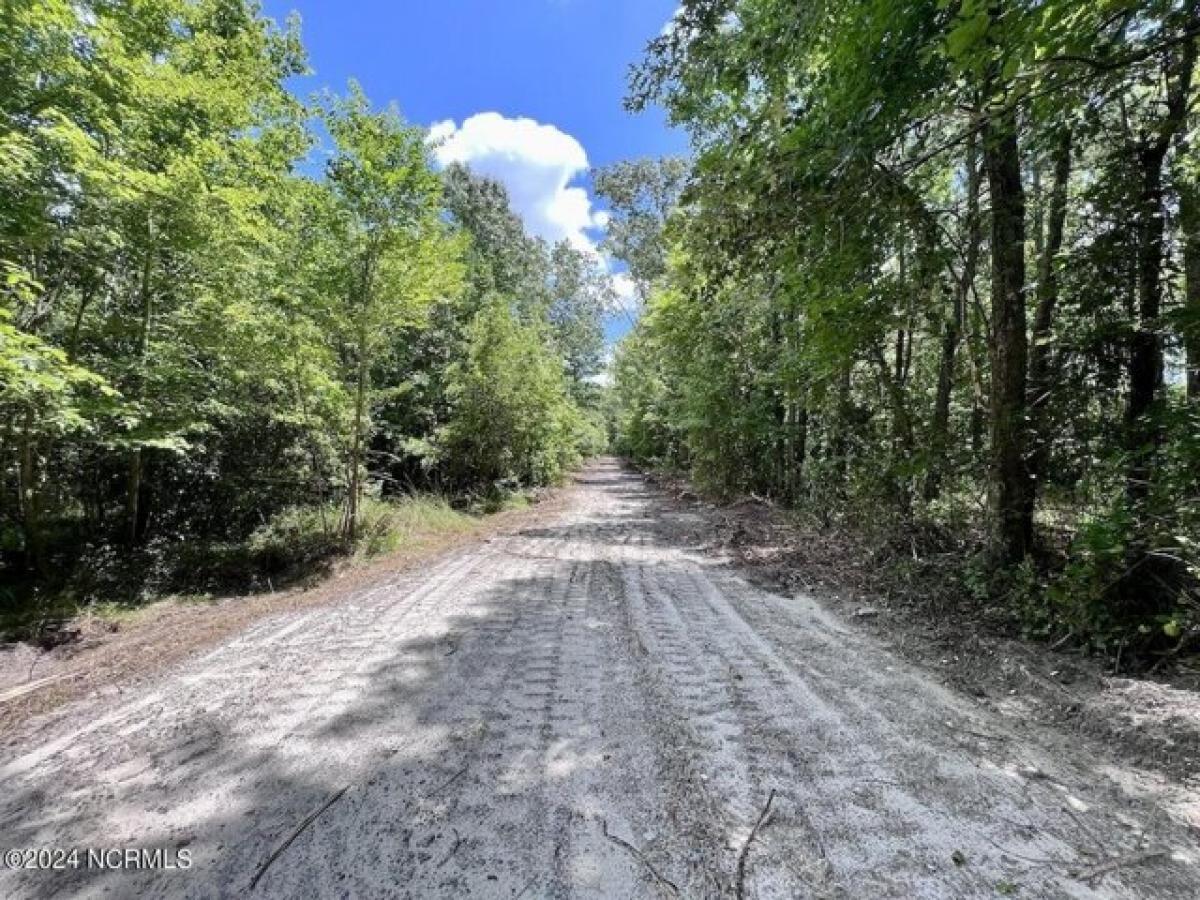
295, 546
308, 533
1089, 587
1093, 589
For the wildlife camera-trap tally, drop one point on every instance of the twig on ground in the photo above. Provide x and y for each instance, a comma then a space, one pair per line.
30, 686
741, 863
453, 850
296, 832
1110, 865
1062, 640
1043, 861
978, 734
1082, 826
621, 842
449, 781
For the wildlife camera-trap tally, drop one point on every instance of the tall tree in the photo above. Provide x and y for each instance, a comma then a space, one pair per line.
398, 254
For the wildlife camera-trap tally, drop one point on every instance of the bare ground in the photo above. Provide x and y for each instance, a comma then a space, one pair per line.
922, 613
594, 706
106, 656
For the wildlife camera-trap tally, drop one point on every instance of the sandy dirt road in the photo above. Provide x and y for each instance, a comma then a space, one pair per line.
588, 708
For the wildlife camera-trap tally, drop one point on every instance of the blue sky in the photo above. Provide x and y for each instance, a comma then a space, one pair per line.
527, 91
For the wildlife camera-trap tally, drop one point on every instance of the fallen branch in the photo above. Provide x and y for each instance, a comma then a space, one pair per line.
621, 842
741, 863
308, 820
453, 850
1062, 640
1042, 861
449, 781
1133, 859
978, 734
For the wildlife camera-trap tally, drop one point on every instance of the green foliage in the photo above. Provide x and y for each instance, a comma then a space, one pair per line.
925, 264
203, 350
513, 422
301, 535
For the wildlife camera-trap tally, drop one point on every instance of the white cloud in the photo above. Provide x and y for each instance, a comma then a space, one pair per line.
672, 23
442, 131
535, 162
626, 291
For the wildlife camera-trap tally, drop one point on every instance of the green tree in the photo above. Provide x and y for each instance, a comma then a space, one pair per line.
395, 254
513, 420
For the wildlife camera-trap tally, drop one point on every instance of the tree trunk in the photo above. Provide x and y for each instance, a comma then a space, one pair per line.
30, 498
1146, 354
365, 291
799, 448
350, 527
134, 485
132, 496
1040, 383
1010, 508
953, 330
903, 440
1189, 226
841, 434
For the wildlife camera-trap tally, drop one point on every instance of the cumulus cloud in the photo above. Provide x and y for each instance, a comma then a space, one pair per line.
626, 291
672, 23
537, 163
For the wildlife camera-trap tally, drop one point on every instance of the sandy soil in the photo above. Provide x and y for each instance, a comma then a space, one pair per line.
593, 707
107, 657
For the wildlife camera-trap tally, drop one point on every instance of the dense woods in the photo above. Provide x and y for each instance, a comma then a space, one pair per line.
233, 320
937, 266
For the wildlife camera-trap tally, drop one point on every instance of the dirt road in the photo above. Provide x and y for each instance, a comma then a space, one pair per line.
592, 708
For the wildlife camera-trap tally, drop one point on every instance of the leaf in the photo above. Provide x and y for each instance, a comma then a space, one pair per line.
967, 33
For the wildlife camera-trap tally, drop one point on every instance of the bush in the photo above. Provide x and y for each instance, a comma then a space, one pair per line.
513, 422
303, 535
1115, 591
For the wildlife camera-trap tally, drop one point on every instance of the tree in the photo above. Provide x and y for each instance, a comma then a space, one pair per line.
641, 195
580, 294
923, 243
513, 420
398, 254
200, 336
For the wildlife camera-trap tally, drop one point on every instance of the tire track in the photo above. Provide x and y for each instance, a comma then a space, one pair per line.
587, 709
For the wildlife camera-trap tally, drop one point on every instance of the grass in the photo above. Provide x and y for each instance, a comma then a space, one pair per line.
307, 533
387, 526
299, 545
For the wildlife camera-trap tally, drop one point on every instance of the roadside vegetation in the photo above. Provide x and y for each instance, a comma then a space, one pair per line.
241, 334
934, 279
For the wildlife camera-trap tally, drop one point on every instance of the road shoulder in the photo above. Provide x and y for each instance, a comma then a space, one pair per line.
111, 657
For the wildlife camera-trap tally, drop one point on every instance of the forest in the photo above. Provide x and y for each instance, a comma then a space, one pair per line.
935, 271
712, 449
237, 325
932, 270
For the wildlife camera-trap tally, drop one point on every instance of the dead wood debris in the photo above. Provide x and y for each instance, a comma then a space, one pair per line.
640, 857
449, 781
453, 850
741, 863
296, 832
1133, 859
